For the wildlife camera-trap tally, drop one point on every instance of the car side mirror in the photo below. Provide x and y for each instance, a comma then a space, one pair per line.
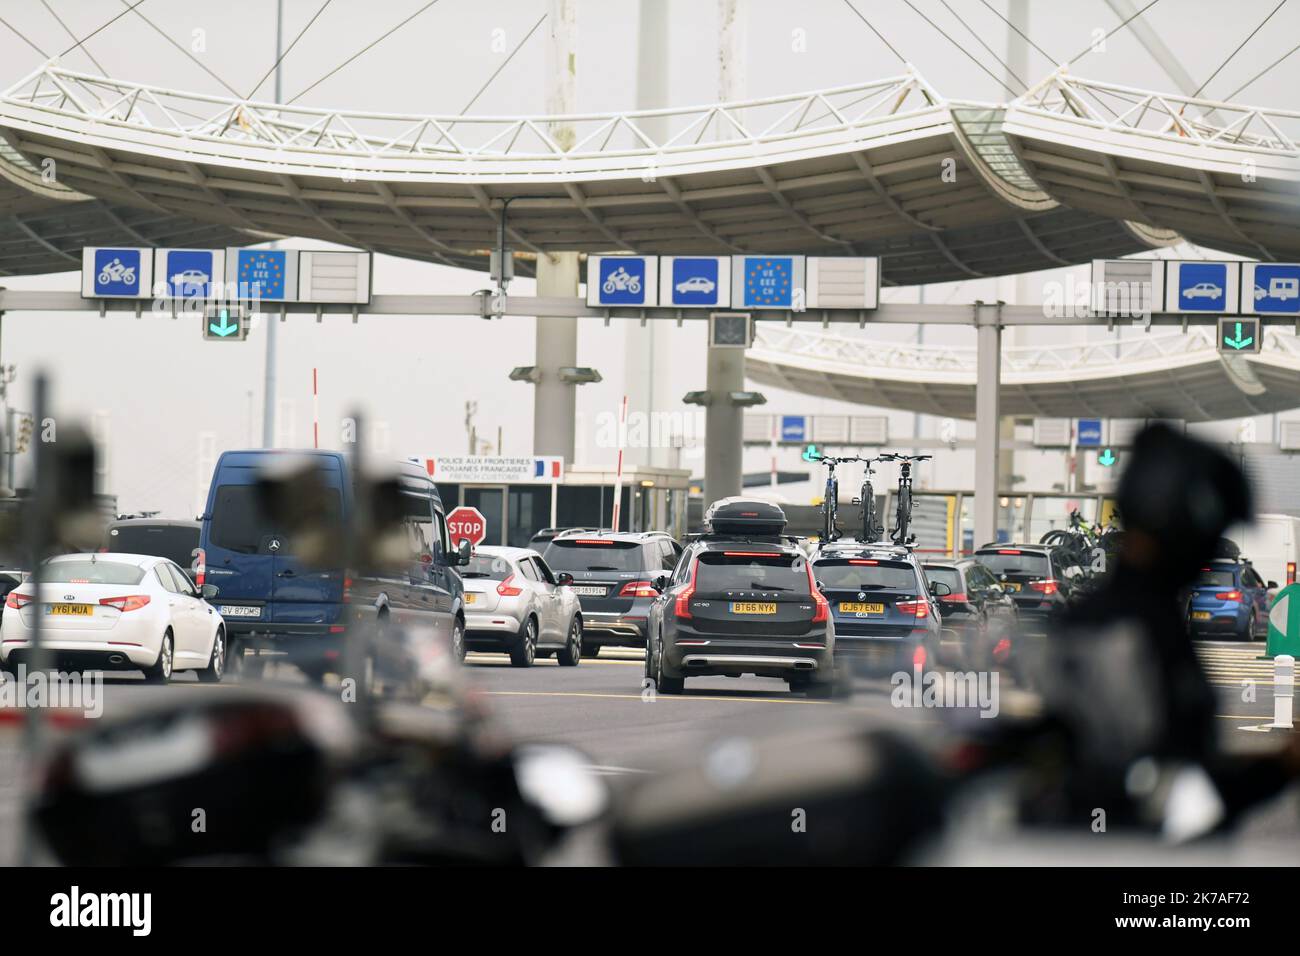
939, 589
209, 591
1272, 585
463, 552
563, 579
660, 582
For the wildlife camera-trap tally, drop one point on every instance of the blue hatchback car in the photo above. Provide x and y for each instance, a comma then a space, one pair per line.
1229, 600
272, 600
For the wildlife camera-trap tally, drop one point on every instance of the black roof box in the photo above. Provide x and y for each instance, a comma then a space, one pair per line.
744, 516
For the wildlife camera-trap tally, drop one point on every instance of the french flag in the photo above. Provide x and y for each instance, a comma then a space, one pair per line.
540, 468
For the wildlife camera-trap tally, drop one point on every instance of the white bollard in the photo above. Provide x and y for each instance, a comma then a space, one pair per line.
1283, 690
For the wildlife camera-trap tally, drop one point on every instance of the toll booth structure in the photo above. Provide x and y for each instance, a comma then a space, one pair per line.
652, 499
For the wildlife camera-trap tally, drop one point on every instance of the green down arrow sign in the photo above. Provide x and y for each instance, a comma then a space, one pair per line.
1237, 341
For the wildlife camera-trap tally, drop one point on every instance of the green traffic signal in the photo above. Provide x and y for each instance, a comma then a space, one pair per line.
1106, 458
810, 453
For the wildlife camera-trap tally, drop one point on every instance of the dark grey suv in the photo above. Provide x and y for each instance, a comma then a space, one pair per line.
613, 574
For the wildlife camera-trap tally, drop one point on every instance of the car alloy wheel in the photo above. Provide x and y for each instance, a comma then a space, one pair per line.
525, 652
458, 641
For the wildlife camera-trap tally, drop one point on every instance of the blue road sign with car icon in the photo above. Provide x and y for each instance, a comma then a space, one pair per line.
794, 428
1203, 286
188, 273
695, 281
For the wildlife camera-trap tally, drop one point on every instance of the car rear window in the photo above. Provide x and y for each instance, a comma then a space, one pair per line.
86, 571
240, 525
1011, 561
948, 576
491, 566
1217, 579
861, 574
175, 543
751, 571
595, 554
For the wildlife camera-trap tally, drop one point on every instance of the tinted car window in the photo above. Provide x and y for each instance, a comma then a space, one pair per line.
543, 572
238, 523
92, 572
948, 576
862, 575
165, 578
1014, 562
486, 566
176, 543
596, 554
745, 571
1218, 579
528, 571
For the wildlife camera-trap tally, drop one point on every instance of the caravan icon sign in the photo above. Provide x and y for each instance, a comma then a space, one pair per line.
1271, 288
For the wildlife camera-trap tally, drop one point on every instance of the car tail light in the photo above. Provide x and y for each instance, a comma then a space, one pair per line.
958, 598
918, 608
1002, 649
347, 589
861, 561
1229, 595
200, 567
1290, 572
919, 656
128, 602
1008, 551
822, 612
506, 589
1045, 586
682, 607
638, 589
16, 600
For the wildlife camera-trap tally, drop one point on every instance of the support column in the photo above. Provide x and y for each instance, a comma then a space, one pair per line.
987, 384
555, 401
724, 425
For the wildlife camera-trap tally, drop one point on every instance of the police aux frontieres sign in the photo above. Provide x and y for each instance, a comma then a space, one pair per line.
484, 469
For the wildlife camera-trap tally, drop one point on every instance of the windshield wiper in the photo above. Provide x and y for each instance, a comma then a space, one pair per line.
603, 567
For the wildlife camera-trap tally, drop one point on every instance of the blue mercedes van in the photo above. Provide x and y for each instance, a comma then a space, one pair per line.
272, 600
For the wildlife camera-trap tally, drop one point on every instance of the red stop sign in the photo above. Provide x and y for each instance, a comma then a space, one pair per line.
465, 523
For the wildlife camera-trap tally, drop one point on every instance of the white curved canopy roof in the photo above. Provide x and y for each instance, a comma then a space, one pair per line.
1160, 374
855, 169
1223, 175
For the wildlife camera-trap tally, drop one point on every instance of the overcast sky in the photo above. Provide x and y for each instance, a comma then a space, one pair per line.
161, 393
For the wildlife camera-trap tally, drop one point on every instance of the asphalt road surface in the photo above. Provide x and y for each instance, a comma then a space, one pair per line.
601, 708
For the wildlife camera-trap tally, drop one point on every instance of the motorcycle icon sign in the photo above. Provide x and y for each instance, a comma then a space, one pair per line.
620, 280
115, 271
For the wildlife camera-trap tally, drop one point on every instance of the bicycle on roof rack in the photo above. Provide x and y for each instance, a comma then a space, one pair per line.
830, 498
903, 512
872, 530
